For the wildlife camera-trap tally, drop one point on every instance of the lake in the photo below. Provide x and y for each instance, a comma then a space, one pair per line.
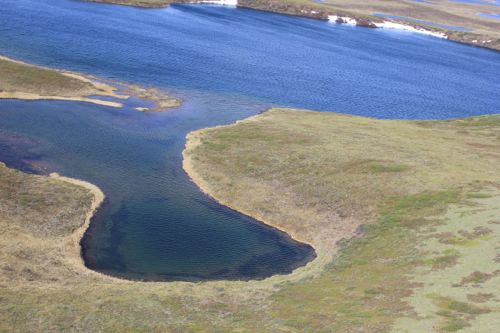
226, 64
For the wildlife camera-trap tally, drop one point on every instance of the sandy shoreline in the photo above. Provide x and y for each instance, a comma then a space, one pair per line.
36, 97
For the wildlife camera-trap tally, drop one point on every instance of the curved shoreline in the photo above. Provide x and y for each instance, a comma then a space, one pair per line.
74, 251
324, 254
74, 257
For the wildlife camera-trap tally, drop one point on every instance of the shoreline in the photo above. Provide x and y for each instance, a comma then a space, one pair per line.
74, 257
74, 250
326, 252
35, 97
101, 89
323, 254
317, 12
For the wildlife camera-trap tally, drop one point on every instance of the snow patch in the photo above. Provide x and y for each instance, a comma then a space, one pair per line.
220, 2
342, 20
405, 27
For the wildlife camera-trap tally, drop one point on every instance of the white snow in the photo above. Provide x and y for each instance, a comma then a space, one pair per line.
347, 20
220, 2
399, 26
389, 25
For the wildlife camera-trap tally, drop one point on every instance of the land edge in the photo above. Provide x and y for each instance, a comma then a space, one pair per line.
75, 260
72, 242
323, 256
102, 89
316, 12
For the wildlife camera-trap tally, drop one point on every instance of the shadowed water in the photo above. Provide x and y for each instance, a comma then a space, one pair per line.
226, 64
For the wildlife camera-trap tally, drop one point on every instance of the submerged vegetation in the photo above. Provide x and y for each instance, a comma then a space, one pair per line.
423, 198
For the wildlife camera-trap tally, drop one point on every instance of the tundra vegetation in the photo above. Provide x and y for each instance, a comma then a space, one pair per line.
422, 198
28, 82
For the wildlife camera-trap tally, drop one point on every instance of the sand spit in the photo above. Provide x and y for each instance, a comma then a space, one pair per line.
35, 97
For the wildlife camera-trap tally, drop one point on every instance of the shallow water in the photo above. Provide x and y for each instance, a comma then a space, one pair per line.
226, 64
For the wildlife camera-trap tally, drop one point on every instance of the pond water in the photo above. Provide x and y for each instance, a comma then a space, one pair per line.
226, 64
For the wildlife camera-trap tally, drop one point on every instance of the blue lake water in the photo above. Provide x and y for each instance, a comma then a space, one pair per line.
226, 64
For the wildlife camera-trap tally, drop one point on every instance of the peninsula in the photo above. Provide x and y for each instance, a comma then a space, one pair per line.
28, 82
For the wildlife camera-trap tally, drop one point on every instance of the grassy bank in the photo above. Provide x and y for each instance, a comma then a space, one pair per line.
28, 82
427, 194
24, 81
481, 31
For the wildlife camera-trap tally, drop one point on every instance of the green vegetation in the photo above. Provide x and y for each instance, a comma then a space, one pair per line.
404, 188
